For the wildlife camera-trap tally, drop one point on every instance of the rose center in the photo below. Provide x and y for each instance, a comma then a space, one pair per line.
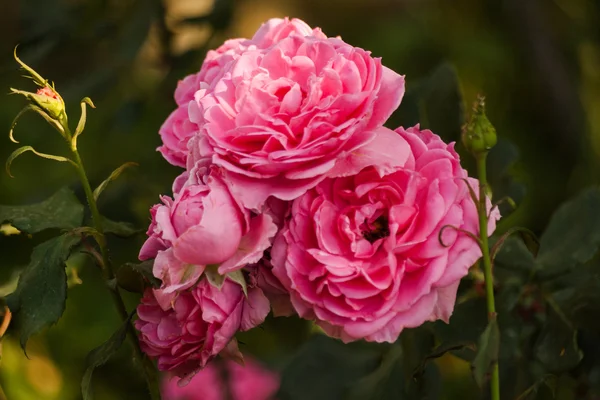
376, 229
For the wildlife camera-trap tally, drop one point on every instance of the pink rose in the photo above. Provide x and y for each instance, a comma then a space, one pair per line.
281, 119
203, 225
202, 216
178, 129
277, 29
362, 255
175, 133
199, 326
249, 382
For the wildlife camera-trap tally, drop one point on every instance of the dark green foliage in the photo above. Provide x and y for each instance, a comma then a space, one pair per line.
556, 346
121, 229
572, 236
487, 352
62, 210
136, 277
100, 355
40, 297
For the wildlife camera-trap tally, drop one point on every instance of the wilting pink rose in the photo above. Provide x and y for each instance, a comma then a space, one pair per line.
203, 225
200, 324
281, 119
248, 382
178, 129
365, 255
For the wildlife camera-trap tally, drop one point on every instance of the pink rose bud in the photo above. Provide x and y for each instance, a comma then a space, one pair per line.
365, 256
203, 225
47, 100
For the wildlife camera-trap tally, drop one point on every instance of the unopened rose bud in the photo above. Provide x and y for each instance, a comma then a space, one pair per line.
479, 135
47, 100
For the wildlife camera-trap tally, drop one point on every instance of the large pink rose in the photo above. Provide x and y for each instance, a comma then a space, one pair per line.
201, 323
281, 119
362, 255
178, 129
203, 225
248, 382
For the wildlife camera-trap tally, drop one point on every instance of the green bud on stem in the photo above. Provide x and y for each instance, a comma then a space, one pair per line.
479, 135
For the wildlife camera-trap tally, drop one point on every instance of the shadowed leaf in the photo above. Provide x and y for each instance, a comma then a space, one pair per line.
572, 236
487, 352
100, 355
41, 294
62, 211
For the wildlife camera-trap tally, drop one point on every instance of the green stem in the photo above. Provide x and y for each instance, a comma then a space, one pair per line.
487, 264
109, 276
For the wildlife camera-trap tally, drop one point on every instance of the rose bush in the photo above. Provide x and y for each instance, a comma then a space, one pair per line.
367, 255
282, 137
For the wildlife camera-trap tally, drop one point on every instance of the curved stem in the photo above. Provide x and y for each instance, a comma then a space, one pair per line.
487, 263
109, 276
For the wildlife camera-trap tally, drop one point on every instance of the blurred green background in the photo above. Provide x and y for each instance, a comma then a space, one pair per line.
537, 61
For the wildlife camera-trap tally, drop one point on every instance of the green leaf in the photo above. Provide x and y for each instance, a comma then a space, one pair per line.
385, 382
238, 277
556, 346
143, 269
572, 236
41, 294
136, 277
212, 274
549, 380
82, 119
24, 149
581, 301
439, 351
467, 324
514, 255
325, 368
114, 175
442, 103
62, 211
487, 352
121, 229
100, 355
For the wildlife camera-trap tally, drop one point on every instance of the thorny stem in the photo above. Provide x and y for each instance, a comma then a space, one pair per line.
109, 275
487, 264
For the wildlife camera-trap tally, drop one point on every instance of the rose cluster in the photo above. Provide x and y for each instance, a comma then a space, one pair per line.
296, 198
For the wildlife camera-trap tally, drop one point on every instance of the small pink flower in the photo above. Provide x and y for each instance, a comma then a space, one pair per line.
364, 255
199, 325
203, 225
249, 382
281, 119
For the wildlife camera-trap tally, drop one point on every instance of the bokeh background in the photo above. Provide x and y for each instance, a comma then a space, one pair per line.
537, 62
